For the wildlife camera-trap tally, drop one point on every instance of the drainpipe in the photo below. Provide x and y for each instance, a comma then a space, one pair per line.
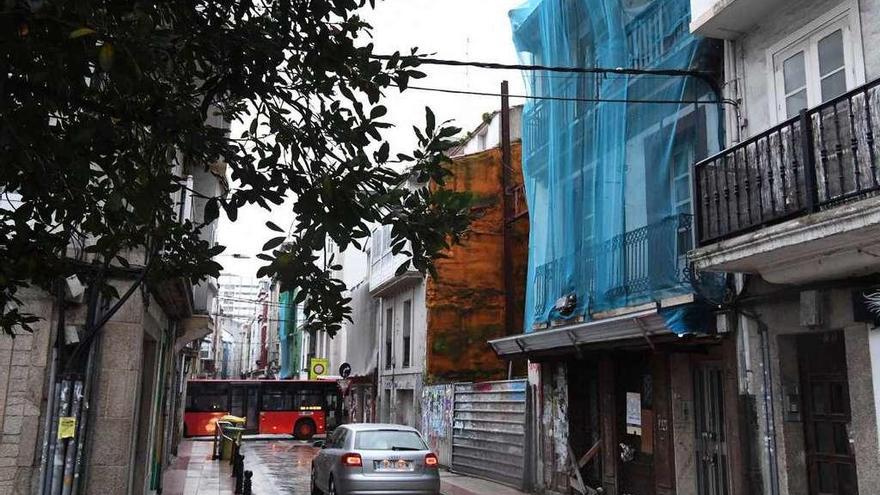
50, 394
769, 412
86, 410
73, 443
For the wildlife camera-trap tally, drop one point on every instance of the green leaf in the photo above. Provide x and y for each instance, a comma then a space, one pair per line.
274, 227
212, 210
300, 297
105, 56
273, 243
79, 33
403, 81
382, 154
393, 61
429, 118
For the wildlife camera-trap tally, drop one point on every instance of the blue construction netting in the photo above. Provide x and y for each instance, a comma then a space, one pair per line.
608, 182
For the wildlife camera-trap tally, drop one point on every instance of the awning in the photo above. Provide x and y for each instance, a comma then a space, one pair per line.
643, 324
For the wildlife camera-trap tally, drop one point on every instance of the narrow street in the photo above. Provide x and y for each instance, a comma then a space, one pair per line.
279, 466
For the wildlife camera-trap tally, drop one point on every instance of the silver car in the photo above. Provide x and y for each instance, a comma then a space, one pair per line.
375, 459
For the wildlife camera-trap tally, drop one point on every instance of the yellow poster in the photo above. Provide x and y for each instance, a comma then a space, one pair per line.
317, 367
66, 427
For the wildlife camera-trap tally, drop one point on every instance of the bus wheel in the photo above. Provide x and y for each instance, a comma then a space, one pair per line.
185, 431
304, 429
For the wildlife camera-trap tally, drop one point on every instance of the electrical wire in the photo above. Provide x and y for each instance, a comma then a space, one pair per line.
705, 76
257, 302
551, 68
585, 100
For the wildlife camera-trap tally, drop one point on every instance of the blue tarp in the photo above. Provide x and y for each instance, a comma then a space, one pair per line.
608, 182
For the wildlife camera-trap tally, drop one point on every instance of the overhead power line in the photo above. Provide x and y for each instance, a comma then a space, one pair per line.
705, 76
554, 68
565, 98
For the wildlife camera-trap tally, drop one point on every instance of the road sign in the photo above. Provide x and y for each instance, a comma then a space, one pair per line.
345, 370
317, 368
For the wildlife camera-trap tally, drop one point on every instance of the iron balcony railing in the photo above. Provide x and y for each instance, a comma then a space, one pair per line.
656, 31
629, 268
823, 157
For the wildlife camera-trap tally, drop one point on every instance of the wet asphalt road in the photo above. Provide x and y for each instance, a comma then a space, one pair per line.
279, 466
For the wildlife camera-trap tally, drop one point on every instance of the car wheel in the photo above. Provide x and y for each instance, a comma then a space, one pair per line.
332, 486
304, 430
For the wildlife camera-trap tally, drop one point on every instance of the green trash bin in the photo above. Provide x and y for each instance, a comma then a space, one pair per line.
221, 441
232, 436
228, 431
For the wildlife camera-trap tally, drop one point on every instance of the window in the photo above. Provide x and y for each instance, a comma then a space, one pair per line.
380, 243
207, 397
341, 439
277, 399
312, 348
389, 342
308, 399
407, 332
388, 440
817, 64
336, 440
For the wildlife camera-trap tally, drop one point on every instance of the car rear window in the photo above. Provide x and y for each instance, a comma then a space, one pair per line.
388, 440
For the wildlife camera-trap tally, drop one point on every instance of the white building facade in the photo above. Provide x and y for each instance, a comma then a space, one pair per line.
791, 208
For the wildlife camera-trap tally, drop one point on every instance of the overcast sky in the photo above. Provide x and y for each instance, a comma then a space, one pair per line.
476, 30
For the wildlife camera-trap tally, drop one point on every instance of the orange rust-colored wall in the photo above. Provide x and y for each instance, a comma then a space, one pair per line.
466, 302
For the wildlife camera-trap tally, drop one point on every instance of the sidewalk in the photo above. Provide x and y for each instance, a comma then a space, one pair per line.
193, 472
457, 484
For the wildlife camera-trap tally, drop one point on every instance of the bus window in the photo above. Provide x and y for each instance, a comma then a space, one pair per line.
207, 397
309, 399
277, 399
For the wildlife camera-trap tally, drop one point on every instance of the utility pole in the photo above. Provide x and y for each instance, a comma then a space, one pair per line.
506, 169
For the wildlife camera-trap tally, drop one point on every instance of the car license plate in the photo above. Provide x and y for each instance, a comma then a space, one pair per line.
399, 465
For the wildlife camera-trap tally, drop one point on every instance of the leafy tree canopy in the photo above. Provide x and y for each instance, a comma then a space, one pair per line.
102, 100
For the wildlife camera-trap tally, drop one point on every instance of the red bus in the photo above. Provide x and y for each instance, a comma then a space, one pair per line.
302, 408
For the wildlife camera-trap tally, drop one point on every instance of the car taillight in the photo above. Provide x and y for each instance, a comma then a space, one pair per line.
431, 461
352, 460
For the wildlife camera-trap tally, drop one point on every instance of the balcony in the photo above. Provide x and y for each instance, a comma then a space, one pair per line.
799, 201
728, 19
656, 32
384, 264
643, 265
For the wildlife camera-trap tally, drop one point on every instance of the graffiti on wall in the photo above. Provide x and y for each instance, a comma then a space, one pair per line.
437, 409
359, 404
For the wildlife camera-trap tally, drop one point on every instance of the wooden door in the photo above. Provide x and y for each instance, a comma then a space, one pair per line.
635, 402
831, 465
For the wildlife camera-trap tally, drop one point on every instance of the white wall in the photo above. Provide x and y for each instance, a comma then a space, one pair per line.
399, 377
752, 48
699, 7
